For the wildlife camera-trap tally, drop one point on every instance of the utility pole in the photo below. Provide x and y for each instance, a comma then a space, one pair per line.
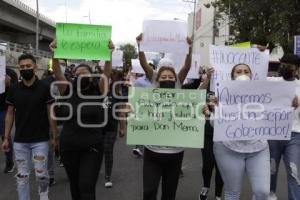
37, 28
194, 16
214, 27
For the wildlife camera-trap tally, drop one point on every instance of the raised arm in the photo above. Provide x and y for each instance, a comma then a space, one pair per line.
103, 83
187, 64
143, 61
205, 83
59, 76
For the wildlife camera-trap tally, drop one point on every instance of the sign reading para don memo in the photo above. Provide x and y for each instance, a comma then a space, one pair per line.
82, 41
166, 117
251, 110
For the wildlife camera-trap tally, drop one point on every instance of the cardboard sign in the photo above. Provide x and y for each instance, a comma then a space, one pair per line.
164, 37
223, 59
166, 117
82, 41
251, 110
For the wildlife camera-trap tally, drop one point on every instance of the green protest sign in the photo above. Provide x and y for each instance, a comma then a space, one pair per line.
82, 41
166, 117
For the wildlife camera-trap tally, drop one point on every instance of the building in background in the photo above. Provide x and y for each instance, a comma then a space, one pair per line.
204, 33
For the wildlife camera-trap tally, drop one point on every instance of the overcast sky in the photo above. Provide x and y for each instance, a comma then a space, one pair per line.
126, 16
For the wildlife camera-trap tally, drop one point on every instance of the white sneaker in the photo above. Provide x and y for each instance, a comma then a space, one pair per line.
272, 196
108, 184
137, 152
218, 198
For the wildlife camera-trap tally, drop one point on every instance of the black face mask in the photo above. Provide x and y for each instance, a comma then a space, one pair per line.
167, 84
27, 74
286, 73
85, 83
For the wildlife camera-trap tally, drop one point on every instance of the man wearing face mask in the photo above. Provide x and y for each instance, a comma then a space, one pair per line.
29, 103
290, 149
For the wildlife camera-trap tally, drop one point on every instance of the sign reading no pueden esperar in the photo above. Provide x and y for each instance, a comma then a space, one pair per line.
82, 41
166, 117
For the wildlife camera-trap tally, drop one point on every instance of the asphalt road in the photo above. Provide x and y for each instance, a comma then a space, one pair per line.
127, 179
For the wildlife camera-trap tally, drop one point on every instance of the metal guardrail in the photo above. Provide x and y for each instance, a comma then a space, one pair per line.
20, 5
24, 48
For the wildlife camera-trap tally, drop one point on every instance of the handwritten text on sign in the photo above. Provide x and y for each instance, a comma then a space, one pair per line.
166, 117
249, 110
81, 41
164, 37
223, 59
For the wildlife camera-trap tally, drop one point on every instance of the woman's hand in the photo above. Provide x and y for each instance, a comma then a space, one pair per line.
52, 45
189, 41
139, 38
206, 111
111, 45
210, 72
295, 102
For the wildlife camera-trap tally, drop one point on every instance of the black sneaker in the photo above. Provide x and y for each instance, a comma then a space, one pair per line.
9, 168
203, 193
108, 183
52, 182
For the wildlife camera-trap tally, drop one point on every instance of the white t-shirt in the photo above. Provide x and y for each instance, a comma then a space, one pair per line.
164, 149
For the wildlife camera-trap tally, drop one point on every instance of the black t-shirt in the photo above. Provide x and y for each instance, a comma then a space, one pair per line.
76, 137
112, 102
30, 103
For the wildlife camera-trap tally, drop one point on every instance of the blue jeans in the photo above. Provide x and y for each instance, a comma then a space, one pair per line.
37, 153
9, 154
291, 156
233, 165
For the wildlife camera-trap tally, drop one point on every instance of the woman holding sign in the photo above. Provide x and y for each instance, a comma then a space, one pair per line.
81, 141
163, 162
237, 158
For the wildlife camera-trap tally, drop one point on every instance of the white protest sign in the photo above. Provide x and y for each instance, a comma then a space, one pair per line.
195, 67
136, 67
2, 69
117, 58
178, 60
223, 59
251, 110
164, 37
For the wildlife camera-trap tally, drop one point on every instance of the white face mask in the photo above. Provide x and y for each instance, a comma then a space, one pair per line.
63, 69
243, 78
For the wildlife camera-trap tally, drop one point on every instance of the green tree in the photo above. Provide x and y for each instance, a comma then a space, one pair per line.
129, 52
274, 21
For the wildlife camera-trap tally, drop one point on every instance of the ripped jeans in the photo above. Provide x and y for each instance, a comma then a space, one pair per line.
291, 156
25, 154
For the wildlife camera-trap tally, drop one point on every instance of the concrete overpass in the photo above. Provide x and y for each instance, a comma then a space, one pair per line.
18, 24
